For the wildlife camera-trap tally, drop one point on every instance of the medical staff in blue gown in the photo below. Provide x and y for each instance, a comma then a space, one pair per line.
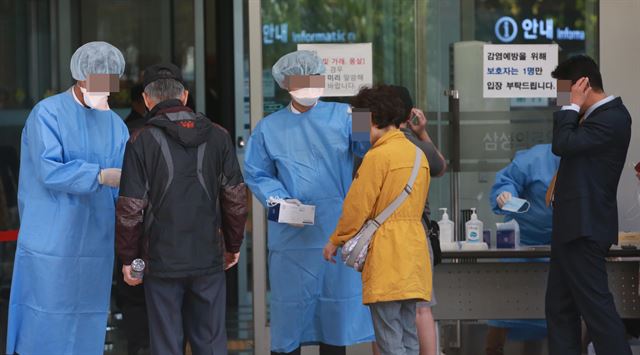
305, 152
72, 150
527, 177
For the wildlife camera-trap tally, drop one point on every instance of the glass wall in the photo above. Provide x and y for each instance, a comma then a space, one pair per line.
147, 32
388, 24
432, 46
429, 46
25, 78
37, 39
493, 130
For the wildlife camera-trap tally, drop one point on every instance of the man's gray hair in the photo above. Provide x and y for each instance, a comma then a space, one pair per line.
164, 89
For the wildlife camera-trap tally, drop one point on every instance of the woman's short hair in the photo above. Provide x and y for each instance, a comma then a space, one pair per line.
383, 102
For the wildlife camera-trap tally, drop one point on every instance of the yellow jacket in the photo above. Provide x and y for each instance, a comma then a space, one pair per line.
397, 266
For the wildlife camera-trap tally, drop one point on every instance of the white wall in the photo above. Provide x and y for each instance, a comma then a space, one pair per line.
620, 66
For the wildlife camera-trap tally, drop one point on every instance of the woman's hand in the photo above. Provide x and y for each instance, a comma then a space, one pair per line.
329, 252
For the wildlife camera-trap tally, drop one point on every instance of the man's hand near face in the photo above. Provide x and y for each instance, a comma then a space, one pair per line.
580, 91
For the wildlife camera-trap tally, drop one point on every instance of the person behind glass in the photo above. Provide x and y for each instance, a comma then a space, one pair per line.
397, 272
182, 209
304, 153
415, 129
591, 137
136, 118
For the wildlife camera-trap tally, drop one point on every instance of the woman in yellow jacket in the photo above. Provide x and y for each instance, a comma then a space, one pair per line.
397, 272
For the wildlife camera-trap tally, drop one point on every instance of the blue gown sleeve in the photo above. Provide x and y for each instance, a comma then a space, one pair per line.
512, 179
124, 138
360, 148
260, 170
45, 148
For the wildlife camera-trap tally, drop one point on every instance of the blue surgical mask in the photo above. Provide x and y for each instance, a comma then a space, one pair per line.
516, 205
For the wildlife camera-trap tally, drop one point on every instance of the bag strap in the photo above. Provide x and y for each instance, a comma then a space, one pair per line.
405, 192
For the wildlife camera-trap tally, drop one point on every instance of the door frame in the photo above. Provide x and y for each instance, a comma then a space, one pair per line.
258, 221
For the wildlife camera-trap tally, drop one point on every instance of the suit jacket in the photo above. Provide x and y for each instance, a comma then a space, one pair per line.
592, 156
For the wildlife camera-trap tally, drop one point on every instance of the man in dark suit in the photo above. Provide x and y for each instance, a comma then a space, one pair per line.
591, 136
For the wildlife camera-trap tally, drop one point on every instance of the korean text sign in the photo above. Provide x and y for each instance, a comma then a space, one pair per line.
519, 71
348, 66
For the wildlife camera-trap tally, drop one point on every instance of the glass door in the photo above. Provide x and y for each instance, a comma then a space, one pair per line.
276, 27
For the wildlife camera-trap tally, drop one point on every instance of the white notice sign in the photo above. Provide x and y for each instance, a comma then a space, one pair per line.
348, 66
519, 71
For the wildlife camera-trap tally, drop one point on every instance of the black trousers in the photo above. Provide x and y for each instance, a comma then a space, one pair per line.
325, 349
578, 287
193, 306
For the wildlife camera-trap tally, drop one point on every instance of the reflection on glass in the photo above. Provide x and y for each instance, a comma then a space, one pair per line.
388, 24
147, 32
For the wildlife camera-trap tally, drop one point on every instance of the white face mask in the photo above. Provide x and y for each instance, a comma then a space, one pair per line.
96, 100
307, 96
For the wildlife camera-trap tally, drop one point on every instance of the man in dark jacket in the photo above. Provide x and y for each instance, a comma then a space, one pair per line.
591, 136
182, 209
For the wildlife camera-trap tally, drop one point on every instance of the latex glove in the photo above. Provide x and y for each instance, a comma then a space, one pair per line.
503, 198
110, 177
329, 252
230, 260
126, 271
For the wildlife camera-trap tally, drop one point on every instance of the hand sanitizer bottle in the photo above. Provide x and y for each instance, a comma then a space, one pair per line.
446, 228
474, 228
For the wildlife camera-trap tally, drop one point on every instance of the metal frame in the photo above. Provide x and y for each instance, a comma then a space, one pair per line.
64, 50
259, 232
239, 95
199, 43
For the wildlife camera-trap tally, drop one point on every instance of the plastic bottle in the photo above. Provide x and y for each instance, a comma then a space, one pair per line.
446, 228
474, 229
137, 269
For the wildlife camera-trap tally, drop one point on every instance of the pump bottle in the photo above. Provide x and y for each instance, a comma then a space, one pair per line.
474, 229
446, 228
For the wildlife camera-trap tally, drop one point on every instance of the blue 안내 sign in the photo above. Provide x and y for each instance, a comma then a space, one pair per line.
272, 33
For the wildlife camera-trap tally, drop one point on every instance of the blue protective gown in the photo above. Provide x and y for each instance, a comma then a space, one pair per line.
64, 261
308, 156
528, 177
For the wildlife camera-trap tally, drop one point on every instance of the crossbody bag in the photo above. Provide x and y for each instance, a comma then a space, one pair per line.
354, 251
